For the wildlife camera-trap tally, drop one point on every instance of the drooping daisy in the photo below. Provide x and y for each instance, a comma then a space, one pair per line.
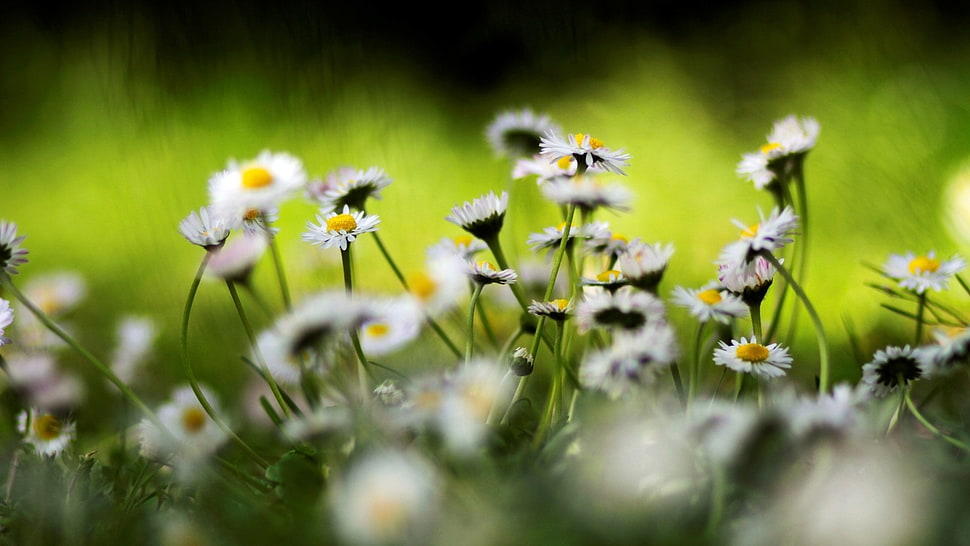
626, 309
588, 151
50, 434
766, 361
710, 302
631, 362
340, 229
11, 254
464, 246
483, 217
440, 285
544, 169
135, 338
516, 133
558, 309
258, 184
951, 350
347, 186
768, 235
307, 331
236, 260
521, 362
923, 272
484, 272
891, 368
6, 319
388, 497
203, 229
587, 193
593, 233
191, 434
394, 323
643, 264
748, 281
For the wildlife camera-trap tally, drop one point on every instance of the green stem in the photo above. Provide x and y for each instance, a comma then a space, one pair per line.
678, 383
470, 324
549, 413
920, 307
190, 371
387, 257
126, 391
816, 321
754, 311
695, 364
919, 416
281, 277
251, 335
363, 369
495, 245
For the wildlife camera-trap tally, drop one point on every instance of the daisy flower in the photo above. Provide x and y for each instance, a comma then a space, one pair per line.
347, 186
440, 285
484, 272
891, 368
386, 497
837, 412
56, 295
754, 168
748, 281
36, 377
340, 229
6, 319
611, 280
588, 151
710, 302
260, 221
766, 361
521, 362
610, 247
631, 362
11, 255
236, 260
625, 309
516, 133
193, 434
923, 272
483, 217
594, 233
544, 169
558, 309
256, 184
295, 336
471, 390
49, 434
768, 235
643, 264
389, 394
393, 324
792, 135
464, 246
135, 338
203, 229
952, 349
587, 193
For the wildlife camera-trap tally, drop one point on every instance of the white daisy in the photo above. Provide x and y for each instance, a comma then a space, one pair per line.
923, 272
56, 294
710, 302
516, 133
340, 229
766, 361
470, 393
36, 377
594, 233
544, 169
754, 168
389, 394
255, 184
611, 280
631, 362
610, 248
587, 193
521, 362
951, 350
792, 135
11, 255
395, 323
347, 186
838, 412
191, 434
483, 217
135, 338
890, 368
387, 497
643, 264
235, 260
588, 151
203, 229
748, 281
6, 319
625, 309
49, 434
464, 246
260, 221
484, 272
440, 285
769, 235
558, 309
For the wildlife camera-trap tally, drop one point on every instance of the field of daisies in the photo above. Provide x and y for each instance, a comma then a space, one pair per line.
542, 398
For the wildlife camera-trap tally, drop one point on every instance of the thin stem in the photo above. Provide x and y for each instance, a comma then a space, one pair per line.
920, 307
387, 257
470, 324
919, 416
363, 370
816, 321
280, 276
190, 371
754, 311
695, 364
678, 383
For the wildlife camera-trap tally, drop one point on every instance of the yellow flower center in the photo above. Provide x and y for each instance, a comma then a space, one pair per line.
487, 265
378, 329
618, 237
193, 420
955, 331
560, 303
609, 275
770, 147
751, 231
594, 143
564, 162
387, 514
752, 352
463, 240
710, 297
341, 222
251, 215
923, 264
256, 177
47, 427
422, 286
428, 400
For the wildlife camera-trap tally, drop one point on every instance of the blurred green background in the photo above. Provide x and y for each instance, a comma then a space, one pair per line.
112, 118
